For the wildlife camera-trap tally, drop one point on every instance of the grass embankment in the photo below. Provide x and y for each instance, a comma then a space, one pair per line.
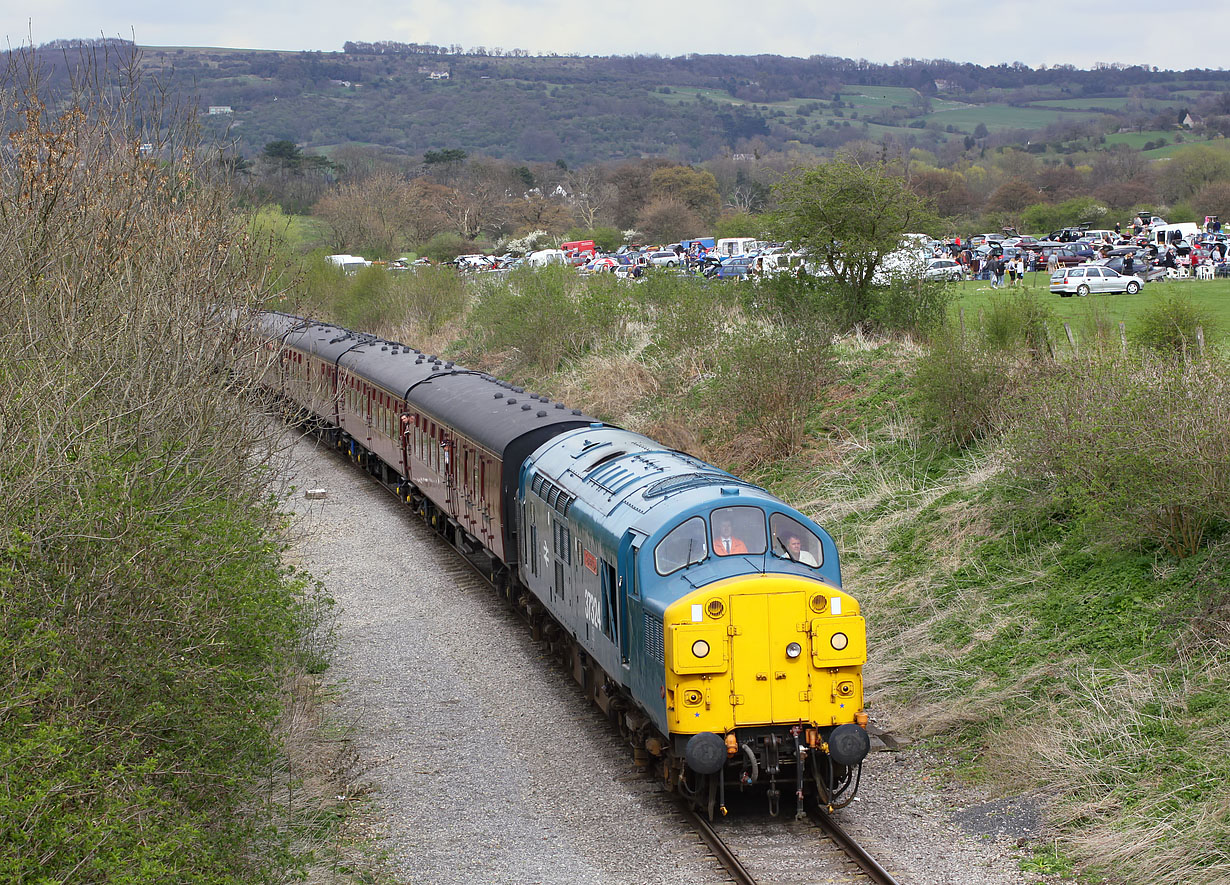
149, 632
1039, 544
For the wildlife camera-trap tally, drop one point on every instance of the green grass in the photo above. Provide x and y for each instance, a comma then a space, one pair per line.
999, 117
1212, 296
1138, 139
1093, 104
878, 96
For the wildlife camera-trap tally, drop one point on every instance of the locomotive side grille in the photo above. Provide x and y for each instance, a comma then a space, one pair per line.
654, 643
557, 499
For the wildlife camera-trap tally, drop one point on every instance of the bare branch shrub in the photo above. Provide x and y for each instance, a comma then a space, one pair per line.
146, 621
959, 385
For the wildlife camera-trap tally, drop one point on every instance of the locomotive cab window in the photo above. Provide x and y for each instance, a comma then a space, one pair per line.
738, 530
683, 546
792, 540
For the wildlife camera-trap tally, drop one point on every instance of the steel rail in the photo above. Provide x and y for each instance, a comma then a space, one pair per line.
728, 859
852, 849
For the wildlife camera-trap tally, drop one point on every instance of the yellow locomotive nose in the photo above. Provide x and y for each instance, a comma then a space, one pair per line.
763, 650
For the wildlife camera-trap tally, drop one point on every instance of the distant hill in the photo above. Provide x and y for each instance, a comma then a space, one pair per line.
580, 110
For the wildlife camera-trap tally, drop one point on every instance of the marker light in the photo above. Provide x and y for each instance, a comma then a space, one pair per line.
793, 650
700, 648
839, 641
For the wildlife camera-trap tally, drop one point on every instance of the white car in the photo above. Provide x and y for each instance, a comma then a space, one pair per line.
943, 269
1091, 278
665, 258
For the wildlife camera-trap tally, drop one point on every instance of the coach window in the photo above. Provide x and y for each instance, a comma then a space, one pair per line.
683, 546
738, 530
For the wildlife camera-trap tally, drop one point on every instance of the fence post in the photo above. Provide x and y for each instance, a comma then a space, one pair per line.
1200, 341
961, 314
1071, 338
1122, 336
1050, 345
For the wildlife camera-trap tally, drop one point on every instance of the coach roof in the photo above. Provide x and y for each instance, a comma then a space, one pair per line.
491, 412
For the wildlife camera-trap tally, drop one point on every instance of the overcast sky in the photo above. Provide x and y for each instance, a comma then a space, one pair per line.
1175, 34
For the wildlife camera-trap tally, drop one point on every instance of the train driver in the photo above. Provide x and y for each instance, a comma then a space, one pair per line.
794, 547
724, 541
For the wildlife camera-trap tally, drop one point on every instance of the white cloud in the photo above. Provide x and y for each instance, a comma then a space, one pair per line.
992, 32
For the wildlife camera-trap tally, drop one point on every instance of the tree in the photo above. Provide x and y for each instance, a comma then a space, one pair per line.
1012, 196
382, 214
694, 188
447, 162
848, 217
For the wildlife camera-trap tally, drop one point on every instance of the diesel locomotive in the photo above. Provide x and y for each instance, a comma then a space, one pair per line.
703, 615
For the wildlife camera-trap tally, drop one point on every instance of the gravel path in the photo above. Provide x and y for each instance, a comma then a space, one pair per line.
472, 737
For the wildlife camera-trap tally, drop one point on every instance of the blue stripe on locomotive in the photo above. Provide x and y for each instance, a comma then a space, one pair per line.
594, 503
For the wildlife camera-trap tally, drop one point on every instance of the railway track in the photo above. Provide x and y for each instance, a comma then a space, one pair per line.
865, 868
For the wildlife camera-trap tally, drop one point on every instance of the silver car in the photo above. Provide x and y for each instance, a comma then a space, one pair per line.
943, 269
1086, 278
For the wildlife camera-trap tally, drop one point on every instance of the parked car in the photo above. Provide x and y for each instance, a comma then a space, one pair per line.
1066, 257
1092, 278
943, 269
604, 264
735, 268
664, 258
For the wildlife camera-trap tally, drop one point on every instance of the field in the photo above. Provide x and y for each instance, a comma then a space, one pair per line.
1000, 117
1209, 296
1119, 104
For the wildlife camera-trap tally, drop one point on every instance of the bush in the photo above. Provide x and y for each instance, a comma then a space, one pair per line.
1136, 448
1170, 326
1017, 320
959, 386
147, 626
916, 307
550, 315
446, 247
772, 376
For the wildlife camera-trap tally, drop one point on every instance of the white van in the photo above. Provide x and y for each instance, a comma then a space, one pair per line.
731, 246
348, 263
543, 257
1165, 234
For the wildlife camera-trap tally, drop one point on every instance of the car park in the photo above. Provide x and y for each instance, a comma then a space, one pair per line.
1093, 279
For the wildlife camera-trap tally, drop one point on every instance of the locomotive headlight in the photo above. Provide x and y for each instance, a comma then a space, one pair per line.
700, 648
839, 641
793, 650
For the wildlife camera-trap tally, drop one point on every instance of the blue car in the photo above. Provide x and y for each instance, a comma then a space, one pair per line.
736, 268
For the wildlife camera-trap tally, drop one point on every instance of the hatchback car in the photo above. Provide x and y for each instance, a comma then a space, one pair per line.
665, 258
735, 268
943, 269
1088, 278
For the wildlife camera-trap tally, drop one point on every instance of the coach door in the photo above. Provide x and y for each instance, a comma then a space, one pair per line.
448, 467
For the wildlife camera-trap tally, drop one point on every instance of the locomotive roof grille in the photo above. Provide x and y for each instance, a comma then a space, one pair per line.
664, 487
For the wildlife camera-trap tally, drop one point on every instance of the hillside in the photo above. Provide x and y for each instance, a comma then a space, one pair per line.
509, 105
